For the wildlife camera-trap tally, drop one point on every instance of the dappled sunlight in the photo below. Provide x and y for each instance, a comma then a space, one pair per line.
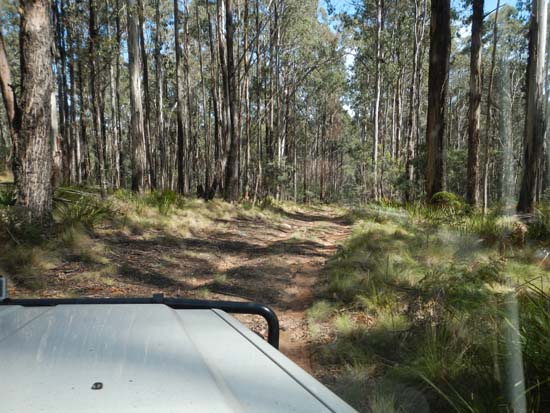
421, 300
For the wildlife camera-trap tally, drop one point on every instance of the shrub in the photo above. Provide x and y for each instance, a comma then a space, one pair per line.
447, 200
86, 211
320, 311
268, 203
540, 227
26, 265
534, 314
164, 201
14, 227
7, 198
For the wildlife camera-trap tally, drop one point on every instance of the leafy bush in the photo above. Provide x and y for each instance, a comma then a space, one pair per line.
26, 265
164, 201
539, 229
13, 227
7, 198
534, 314
268, 203
447, 200
420, 301
86, 211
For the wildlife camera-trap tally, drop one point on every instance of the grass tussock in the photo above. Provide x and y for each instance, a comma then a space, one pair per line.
418, 298
6, 176
82, 219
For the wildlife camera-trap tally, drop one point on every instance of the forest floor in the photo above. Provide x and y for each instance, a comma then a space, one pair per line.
393, 308
276, 259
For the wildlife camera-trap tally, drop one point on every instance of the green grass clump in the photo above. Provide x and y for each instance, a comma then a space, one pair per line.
447, 200
539, 229
25, 265
164, 201
320, 311
86, 211
7, 198
420, 302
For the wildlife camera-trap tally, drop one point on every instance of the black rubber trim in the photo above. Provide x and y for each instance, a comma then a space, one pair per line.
232, 307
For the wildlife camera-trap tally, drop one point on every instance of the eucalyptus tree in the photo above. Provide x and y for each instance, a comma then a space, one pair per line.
474, 115
440, 45
535, 114
30, 116
136, 105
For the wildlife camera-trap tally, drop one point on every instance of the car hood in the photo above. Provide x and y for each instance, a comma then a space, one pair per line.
146, 358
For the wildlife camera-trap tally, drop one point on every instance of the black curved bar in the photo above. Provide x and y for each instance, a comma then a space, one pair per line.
233, 307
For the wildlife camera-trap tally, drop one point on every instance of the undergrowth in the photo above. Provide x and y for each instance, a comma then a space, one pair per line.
418, 297
82, 222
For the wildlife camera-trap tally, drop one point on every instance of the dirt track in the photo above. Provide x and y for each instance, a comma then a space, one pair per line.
277, 263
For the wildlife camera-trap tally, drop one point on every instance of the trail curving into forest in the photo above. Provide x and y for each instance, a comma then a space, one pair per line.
275, 260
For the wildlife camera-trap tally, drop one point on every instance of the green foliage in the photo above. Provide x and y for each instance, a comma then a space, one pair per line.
25, 264
15, 228
421, 301
164, 201
86, 211
447, 200
539, 228
7, 197
534, 302
320, 311
268, 202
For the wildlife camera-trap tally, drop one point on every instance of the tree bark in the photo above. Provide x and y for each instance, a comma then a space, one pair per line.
534, 121
378, 88
488, 127
136, 107
159, 73
183, 185
6, 86
97, 105
440, 46
474, 114
32, 121
151, 173
231, 190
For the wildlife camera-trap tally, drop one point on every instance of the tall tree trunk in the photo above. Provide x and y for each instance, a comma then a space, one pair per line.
97, 105
63, 165
191, 154
414, 98
151, 173
474, 114
120, 178
136, 107
218, 166
181, 137
440, 46
534, 120
247, 176
115, 132
488, 127
259, 175
505, 132
76, 176
378, 89
231, 190
159, 73
6, 86
86, 164
32, 123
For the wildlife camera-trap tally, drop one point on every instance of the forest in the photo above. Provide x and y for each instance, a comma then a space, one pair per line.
288, 100
383, 164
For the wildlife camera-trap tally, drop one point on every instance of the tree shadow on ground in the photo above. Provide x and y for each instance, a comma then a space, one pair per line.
151, 278
265, 282
298, 216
